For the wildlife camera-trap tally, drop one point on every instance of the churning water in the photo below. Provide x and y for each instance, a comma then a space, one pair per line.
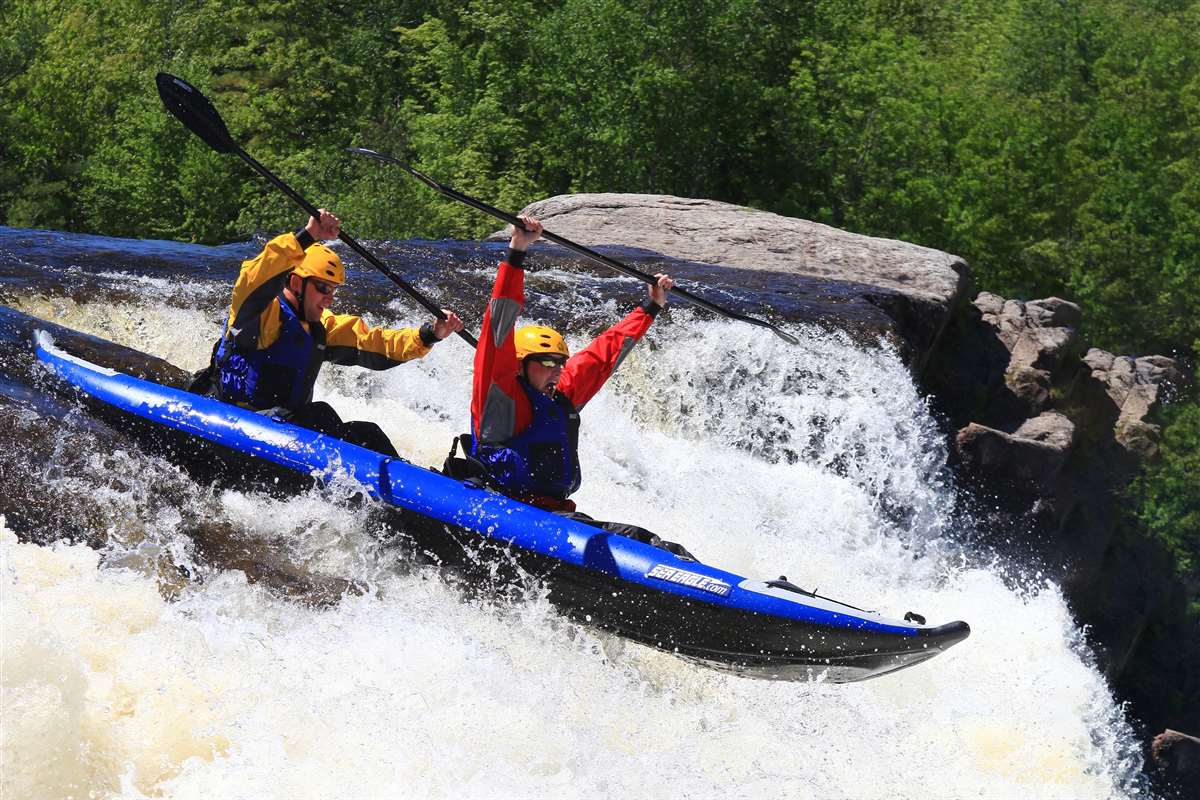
217, 642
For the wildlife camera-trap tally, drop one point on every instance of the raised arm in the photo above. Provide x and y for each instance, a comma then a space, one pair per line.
587, 371
499, 407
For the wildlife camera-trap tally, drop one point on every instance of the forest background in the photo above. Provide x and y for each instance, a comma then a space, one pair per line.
1051, 143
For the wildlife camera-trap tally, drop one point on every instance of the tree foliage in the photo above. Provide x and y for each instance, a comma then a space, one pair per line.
1052, 143
1169, 500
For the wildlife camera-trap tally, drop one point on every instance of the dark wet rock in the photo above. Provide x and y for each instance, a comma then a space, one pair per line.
1030, 386
916, 287
967, 375
1053, 312
19, 363
1177, 756
1033, 455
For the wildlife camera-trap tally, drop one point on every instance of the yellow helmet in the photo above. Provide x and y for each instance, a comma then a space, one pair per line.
535, 339
322, 264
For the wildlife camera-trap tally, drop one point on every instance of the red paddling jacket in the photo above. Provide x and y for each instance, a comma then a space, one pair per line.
527, 440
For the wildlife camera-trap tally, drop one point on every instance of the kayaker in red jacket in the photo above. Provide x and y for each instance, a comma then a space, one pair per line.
528, 391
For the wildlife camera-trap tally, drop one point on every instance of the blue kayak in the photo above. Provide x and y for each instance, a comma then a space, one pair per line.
763, 628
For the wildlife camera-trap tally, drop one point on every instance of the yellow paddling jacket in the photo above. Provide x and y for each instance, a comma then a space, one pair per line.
269, 356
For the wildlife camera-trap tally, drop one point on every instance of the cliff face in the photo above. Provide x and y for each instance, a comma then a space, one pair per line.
1048, 433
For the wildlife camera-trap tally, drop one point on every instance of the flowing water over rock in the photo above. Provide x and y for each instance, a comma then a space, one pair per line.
163, 638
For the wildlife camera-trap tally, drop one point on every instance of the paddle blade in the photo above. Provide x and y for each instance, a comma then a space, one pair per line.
782, 334
195, 111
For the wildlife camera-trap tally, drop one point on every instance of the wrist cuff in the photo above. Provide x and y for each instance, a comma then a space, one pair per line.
305, 238
428, 337
515, 258
650, 307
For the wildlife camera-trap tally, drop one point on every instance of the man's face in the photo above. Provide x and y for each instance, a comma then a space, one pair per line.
543, 371
316, 298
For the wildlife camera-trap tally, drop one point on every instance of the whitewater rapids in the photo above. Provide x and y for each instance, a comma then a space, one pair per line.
124, 678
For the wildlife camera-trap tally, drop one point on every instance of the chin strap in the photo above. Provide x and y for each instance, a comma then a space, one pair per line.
303, 312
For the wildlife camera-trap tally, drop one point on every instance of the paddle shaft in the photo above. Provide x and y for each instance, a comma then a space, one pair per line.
189, 105
586, 252
352, 243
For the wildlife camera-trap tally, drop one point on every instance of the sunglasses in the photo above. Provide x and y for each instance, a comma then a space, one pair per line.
549, 362
326, 289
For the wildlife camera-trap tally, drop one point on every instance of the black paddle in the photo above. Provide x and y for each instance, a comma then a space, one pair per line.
586, 252
195, 111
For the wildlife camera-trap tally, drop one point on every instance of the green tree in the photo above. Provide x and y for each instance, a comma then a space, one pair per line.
1168, 494
1133, 261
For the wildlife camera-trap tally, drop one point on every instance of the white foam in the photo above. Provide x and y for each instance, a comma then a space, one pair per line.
233, 692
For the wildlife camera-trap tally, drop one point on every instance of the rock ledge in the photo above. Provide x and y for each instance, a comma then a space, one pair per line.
915, 286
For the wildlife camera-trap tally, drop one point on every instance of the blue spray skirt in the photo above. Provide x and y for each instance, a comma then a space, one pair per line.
768, 629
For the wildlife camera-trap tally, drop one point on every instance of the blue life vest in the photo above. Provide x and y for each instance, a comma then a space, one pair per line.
280, 375
543, 459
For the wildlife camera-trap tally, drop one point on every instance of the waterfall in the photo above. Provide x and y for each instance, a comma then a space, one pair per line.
143, 666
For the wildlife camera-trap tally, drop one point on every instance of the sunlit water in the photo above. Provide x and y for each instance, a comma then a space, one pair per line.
819, 462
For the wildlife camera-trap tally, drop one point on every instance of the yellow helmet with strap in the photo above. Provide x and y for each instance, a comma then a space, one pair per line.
537, 339
322, 264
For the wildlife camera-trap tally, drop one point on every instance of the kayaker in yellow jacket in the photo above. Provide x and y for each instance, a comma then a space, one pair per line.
280, 331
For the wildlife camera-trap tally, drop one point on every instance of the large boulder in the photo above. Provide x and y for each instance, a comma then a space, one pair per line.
901, 289
1039, 336
1178, 756
1033, 455
1132, 388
